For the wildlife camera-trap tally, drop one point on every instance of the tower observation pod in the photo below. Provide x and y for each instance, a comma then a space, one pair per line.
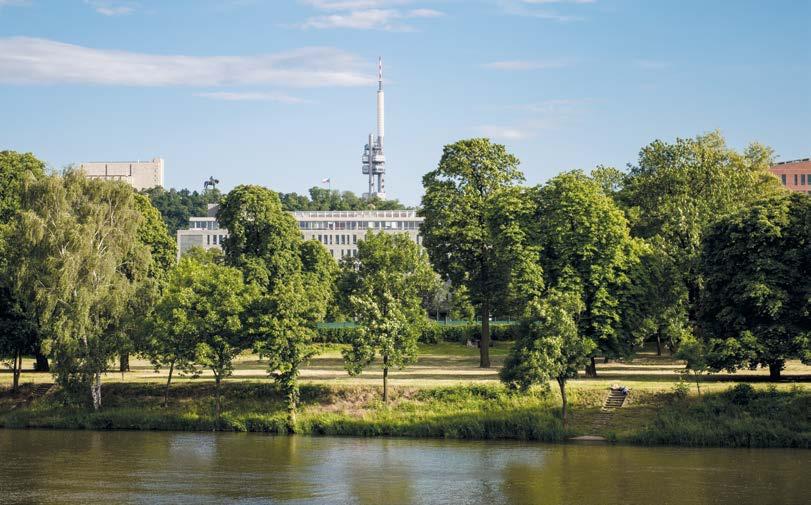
374, 160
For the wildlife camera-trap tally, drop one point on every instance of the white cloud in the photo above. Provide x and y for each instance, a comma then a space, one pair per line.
252, 96
539, 2
546, 115
506, 132
365, 15
335, 5
524, 65
34, 60
112, 7
540, 9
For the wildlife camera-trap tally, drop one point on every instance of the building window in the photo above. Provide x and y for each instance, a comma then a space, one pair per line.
795, 179
783, 177
802, 179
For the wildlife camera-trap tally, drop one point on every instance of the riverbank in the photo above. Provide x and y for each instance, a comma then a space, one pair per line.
742, 416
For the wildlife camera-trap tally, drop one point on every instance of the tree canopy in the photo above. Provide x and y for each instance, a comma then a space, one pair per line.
294, 279
384, 286
583, 236
460, 198
678, 189
77, 264
756, 301
176, 206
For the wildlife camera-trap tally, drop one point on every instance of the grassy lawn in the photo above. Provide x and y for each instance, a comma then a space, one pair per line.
445, 394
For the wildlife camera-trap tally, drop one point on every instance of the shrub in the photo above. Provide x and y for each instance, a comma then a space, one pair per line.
741, 394
681, 389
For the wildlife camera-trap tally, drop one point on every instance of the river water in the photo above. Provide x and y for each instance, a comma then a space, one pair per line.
78, 467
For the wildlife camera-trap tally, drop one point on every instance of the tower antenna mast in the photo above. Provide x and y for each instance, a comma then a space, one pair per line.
374, 158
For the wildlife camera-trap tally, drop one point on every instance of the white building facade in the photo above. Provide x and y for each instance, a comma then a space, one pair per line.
338, 231
138, 174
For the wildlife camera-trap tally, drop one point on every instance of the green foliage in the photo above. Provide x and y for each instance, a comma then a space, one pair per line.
177, 206
740, 417
550, 346
384, 286
677, 190
18, 332
460, 198
153, 232
78, 264
200, 319
329, 199
681, 389
756, 303
295, 280
584, 239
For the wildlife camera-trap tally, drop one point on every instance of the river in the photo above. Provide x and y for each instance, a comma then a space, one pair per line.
78, 467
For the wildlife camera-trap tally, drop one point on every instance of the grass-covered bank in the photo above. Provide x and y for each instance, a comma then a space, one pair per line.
760, 417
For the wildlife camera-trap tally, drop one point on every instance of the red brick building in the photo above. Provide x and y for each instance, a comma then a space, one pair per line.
795, 174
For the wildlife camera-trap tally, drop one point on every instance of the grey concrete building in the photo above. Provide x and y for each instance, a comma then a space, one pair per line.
139, 174
339, 231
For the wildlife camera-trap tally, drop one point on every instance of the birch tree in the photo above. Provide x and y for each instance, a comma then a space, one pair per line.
77, 263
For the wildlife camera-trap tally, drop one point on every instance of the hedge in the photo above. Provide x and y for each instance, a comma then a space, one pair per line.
432, 333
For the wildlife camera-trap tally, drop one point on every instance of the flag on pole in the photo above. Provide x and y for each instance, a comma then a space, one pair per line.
325, 181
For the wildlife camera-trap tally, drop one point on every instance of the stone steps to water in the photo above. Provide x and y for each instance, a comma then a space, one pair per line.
39, 391
612, 402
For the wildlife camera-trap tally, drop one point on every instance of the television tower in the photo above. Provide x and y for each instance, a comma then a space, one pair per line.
374, 161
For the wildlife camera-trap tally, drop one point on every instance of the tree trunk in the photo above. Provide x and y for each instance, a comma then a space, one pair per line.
774, 370
658, 344
124, 362
564, 402
41, 362
605, 359
217, 396
168, 382
591, 370
16, 370
484, 343
385, 379
292, 404
95, 391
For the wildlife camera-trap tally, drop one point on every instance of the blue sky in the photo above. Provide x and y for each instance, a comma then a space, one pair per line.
282, 92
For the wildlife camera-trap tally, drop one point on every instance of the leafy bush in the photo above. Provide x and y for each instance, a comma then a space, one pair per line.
681, 389
741, 394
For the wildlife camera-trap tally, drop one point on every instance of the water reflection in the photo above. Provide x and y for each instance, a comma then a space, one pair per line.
135, 467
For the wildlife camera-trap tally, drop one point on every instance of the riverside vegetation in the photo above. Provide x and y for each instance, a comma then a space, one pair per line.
697, 249
660, 409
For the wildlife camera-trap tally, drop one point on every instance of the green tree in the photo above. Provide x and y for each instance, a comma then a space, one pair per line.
678, 189
172, 331
77, 263
756, 301
584, 236
177, 206
331, 199
460, 196
152, 233
550, 346
384, 287
18, 332
265, 243
217, 314
694, 354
